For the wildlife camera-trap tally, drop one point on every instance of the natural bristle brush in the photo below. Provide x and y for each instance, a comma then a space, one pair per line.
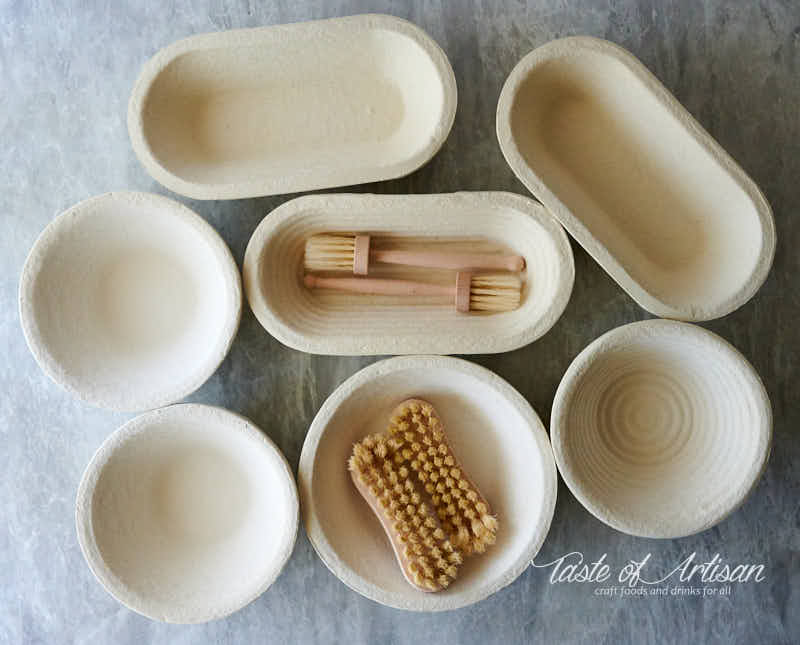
465, 515
341, 252
426, 556
472, 292
430, 510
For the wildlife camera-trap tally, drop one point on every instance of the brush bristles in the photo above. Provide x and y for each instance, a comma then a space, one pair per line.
494, 292
461, 510
329, 253
436, 515
431, 561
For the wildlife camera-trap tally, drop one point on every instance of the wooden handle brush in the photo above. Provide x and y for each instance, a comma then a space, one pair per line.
433, 514
328, 252
487, 292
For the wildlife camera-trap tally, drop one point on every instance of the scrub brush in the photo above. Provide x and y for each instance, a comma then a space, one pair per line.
331, 252
471, 292
464, 514
433, 514
426, 556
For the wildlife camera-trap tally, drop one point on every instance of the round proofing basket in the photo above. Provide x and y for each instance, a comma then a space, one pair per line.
499, 440
130, 301
187, 513
661, 429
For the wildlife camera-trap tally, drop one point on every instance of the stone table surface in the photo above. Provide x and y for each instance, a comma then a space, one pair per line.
66, 69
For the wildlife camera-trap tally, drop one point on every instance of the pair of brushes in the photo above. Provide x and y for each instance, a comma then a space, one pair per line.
330, 252
471, 292
433, 514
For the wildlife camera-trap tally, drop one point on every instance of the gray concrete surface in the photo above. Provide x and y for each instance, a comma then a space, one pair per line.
66, 69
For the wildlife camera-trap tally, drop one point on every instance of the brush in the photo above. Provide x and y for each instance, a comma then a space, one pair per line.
331, 252
430, 510
427, 558
464, 513
471, 292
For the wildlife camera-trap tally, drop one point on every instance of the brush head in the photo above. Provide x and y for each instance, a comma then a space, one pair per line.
432, 512
490, 292
464, 513
331, 252
427, 557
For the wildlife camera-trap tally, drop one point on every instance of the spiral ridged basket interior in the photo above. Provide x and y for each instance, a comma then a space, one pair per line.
661, 428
